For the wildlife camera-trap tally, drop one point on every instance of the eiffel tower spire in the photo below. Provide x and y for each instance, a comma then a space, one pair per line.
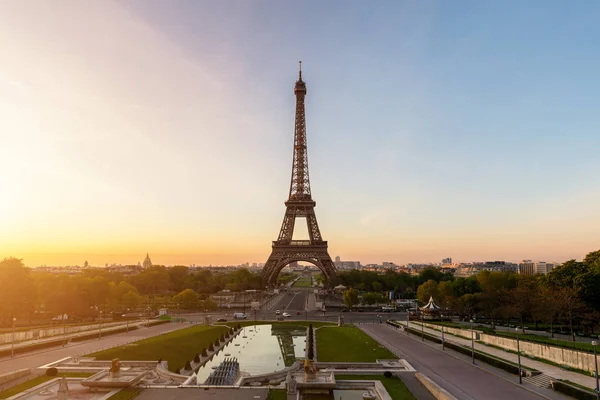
300, 184
299, 205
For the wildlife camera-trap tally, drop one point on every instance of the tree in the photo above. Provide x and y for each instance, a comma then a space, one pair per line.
350, 297
187, 299
376, 286
131, 299
17, 293
427, 290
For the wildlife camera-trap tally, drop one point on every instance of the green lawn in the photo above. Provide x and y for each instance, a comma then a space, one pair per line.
394, 385
175, 347
38, 381
126, 394
303, 282
348, 343
277, 394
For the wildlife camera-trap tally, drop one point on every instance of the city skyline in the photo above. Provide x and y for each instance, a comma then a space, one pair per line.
433, 130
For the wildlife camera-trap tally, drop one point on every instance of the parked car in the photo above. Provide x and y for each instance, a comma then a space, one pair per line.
277, 312
286, 315
239, 315
222, 320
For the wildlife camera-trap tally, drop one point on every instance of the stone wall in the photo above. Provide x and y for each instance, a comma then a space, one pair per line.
559, 355
33, 334
572, 358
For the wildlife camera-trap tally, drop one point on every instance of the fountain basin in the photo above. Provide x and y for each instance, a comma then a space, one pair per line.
103, 379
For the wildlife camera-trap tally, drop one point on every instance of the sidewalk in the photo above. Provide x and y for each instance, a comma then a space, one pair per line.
65, 338
550, 370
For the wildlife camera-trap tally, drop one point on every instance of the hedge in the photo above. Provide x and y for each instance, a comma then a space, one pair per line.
573, 391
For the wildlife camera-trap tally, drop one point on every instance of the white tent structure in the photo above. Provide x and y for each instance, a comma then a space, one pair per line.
430, 310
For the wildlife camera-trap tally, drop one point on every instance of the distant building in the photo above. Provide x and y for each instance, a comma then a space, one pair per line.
526, 267
147, 262
543, 267
447, 260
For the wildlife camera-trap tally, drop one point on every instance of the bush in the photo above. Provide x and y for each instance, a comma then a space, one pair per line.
204, 353
573, 391
197, 358
51, 372
211, 347
387, 374
188, 366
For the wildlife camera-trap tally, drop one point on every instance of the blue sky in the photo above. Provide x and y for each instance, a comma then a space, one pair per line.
464, 129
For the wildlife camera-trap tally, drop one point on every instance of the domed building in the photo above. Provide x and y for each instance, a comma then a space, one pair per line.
147, 262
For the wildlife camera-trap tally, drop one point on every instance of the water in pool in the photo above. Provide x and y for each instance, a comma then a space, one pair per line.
265, 348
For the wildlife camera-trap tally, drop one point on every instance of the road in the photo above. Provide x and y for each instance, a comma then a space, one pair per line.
41, 357
460, 378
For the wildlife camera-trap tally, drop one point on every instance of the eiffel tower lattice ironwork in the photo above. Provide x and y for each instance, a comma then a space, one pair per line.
299, 205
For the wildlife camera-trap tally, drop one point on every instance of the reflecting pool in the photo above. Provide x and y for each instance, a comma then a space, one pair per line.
261, 349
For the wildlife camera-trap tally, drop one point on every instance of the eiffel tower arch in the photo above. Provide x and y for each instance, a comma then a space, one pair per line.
299, 205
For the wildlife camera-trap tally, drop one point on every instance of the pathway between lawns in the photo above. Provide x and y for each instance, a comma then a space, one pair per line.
461, 379
548, 369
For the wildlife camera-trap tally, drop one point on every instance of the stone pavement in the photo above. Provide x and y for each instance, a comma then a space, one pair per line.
203, 394
454, 373
58, 339
550, 370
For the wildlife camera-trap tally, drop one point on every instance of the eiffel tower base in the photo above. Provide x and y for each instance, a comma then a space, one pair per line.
284, 254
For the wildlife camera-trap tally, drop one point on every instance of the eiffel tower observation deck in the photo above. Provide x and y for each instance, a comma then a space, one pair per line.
299, 205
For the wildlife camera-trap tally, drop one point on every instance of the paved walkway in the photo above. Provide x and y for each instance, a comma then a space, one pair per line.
550, 370
58, 339
202, 394
462, 379
41, 357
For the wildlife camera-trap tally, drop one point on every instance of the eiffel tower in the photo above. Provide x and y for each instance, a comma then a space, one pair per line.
299, 205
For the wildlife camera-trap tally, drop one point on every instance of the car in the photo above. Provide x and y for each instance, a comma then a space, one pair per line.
277, 312
286, 315
298, 312
222, 320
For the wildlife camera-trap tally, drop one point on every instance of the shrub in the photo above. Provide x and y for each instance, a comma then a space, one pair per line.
51, 371
204, 353
188, 366
387, 374
197, 358
573, 391
211, 347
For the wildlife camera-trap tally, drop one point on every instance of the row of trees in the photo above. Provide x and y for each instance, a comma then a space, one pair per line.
25, 294
569, 294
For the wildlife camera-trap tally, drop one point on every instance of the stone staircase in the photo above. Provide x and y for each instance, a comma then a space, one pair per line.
540, 380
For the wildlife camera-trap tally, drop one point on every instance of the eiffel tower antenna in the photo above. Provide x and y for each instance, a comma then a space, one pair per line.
299, 205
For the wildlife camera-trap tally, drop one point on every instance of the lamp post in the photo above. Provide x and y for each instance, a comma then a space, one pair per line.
407, 322
422, 329
12, 346
519, 355
442, 337
594, 344
472, 344
127, 322
100, 327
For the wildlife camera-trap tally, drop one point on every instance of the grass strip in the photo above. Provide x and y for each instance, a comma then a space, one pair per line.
277, 394
176, 347
394, 385
126, 394
303, 282
350, 344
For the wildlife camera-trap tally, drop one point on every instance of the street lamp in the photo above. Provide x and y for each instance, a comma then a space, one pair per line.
127, 321
100, 327
442, 337
12, 346
422, 329
519, 355
407, 322
595, 343
472, 344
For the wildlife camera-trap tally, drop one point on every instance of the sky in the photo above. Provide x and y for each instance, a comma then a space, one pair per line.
462, 129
